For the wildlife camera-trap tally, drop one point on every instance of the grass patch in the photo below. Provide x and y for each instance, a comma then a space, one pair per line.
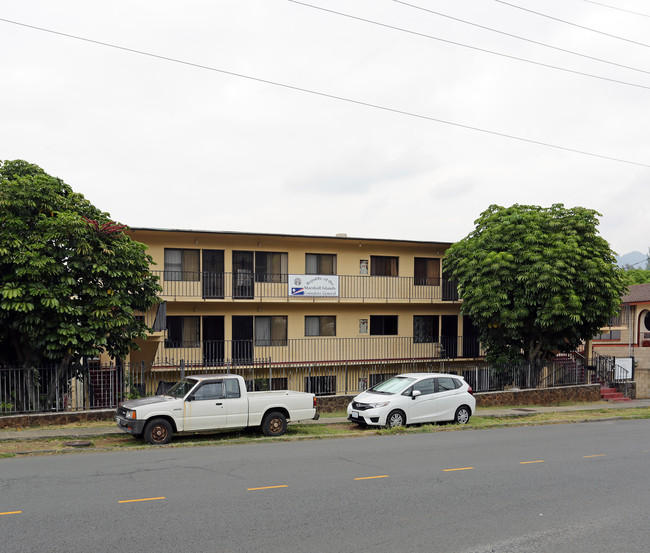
121, 442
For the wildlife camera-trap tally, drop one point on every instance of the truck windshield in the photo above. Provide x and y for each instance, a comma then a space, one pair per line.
392, 385
181, 388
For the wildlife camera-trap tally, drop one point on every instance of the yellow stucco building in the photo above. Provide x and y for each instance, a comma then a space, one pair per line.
331, 314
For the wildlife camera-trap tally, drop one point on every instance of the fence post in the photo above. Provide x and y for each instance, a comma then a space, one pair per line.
346, 379
182, 367
270, 374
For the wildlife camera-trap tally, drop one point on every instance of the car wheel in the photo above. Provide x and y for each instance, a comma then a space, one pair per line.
462, 415
158, 432
395, 418
274, 424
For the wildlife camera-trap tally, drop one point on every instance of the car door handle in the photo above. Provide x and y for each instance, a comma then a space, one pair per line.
218, 403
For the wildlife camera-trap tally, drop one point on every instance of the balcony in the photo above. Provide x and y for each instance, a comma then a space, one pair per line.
315, 351
189, 285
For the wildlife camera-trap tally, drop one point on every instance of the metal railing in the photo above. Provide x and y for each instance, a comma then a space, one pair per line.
249, 286
91, 386
330, 350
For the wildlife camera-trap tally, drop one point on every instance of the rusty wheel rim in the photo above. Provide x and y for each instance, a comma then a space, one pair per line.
159, 433
275, 425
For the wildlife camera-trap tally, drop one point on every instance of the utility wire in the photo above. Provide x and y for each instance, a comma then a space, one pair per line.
522, 38
547, 65
573, 24
616, 8
326, 95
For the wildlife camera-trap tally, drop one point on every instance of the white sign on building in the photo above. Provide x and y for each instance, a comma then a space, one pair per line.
314, 286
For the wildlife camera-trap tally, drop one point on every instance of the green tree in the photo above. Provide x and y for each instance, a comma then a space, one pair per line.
71, 281
536, 280
636, 276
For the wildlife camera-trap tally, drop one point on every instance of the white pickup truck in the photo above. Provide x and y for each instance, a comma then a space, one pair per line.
212, 402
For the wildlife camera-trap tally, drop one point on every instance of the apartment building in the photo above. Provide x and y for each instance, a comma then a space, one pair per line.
302, 303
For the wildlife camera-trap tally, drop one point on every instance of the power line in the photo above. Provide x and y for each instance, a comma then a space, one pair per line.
326, 95
573, 24
423, 35
616, 8
522, 38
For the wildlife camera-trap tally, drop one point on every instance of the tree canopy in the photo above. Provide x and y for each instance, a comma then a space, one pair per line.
71, 281
535, 280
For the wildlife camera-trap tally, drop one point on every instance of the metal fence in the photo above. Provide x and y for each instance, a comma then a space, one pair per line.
92, 386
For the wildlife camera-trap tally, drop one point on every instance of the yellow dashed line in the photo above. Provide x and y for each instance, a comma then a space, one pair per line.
11, 513
529, 462
590, 456
452, 470
144, 499
371, 477
266, 488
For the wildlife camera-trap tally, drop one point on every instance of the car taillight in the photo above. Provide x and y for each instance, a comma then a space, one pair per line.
314, 402
469, 389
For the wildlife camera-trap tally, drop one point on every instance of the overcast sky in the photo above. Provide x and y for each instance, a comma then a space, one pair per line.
157, 143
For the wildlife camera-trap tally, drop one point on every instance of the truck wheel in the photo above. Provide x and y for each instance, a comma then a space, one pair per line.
158, 432
274, 424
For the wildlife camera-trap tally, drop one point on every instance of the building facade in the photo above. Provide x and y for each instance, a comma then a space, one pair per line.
302, 303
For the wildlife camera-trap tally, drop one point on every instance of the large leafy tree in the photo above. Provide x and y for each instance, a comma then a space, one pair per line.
536, 280
71, 281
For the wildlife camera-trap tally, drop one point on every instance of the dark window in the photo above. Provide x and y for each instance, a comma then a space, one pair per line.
425, 329
445, 384
610, 335
182, 332
425, 386
383, 325
320, 264
382, 265
427, 271
320, 326
271, 267
182, 264
320, 385
271, 331
232, 388
209, 390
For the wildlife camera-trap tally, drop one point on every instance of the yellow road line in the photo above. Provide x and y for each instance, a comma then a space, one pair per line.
144, 499
266, 488
452, 470
11, 513
529, 462
372, 477
590, 456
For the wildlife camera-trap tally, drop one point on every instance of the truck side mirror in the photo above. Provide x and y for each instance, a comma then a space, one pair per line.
190, 398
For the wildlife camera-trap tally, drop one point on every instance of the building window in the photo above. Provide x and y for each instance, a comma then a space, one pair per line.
320, 264
425, 329
427, 271
383, 265
383, 325
271, 266
320, 326
182, 332
610, 335
182, 264
321, 385
271, 331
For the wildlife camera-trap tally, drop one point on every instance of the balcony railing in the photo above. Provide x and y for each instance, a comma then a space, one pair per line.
253, 286
305, 351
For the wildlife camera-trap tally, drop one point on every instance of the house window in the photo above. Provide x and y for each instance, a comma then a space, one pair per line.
425, 329
182, 264
320, 326
271, 331
610, 335
383, 325
383, 265
427, 271
271, 266
320, 264
182, 332
321, 385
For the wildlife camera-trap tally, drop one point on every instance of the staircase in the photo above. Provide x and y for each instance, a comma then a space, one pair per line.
612, 394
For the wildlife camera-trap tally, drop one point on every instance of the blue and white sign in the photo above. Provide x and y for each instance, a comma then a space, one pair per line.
314, 286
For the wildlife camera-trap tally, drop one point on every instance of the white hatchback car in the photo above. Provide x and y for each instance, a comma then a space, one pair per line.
412, 399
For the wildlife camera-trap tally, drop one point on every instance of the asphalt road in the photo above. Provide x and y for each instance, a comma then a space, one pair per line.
560, 488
